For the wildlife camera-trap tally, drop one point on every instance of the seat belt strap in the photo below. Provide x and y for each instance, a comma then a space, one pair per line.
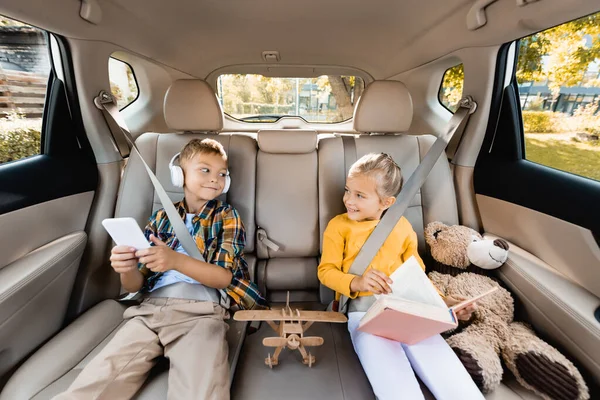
107, 103
118, 129
455, 127
455, 140
350, 154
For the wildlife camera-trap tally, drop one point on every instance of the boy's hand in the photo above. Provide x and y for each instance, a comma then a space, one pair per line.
158, 258
372, 281
123, 259
464, 314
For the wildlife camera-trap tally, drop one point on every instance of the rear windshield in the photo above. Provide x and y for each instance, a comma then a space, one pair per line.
256, 98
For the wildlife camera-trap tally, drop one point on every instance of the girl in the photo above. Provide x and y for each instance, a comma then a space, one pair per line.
372, 185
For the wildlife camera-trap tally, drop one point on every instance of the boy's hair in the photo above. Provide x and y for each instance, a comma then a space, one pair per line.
204, 146
383, 169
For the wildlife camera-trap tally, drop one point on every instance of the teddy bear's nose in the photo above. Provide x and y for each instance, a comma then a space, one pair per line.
503, 244
436, 233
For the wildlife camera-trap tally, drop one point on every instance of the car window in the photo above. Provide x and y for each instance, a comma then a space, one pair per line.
451, 88
558, 76
256, 98
24, 72
122, 82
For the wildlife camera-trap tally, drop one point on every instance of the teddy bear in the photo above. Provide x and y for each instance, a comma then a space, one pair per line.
463, 265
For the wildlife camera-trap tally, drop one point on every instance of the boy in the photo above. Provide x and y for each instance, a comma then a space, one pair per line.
180, 316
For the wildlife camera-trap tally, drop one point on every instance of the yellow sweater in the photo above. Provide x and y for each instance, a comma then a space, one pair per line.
342, 241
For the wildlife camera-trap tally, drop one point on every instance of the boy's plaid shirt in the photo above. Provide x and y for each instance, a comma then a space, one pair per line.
220, 237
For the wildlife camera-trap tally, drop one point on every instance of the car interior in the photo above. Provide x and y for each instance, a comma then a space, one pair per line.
181, 70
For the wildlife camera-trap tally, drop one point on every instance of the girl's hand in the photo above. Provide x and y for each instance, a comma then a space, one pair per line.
123, 259
158, 258
372, 281
466, 313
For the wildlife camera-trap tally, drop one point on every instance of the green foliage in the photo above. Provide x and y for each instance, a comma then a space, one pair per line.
452, 87
535, 104
133, 87
568, 50
586, 120
123, 84
19, 138
116, 91
539, 122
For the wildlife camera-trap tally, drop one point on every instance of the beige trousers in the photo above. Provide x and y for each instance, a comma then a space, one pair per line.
191, 334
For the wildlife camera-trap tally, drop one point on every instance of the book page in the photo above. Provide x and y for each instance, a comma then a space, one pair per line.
468, 302
411, 283
419, 309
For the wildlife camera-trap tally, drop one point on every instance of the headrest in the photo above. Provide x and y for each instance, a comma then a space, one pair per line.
287, 141
384, 107
191, 105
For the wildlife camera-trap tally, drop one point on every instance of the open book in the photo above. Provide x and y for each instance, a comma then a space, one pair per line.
414, 310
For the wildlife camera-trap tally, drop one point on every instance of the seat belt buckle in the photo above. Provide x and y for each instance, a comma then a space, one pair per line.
224, 300
335, 305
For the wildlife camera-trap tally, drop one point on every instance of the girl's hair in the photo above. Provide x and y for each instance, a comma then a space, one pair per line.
383, 169
205, 146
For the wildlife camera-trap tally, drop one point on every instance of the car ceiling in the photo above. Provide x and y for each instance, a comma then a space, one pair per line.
381, 37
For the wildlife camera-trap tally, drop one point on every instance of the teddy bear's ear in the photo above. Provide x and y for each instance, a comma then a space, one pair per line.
432, 230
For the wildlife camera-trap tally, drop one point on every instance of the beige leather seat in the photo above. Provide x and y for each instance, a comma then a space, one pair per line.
383, 116
287, 214
190, 106
435, 201
297, 190
285, 206
287, 200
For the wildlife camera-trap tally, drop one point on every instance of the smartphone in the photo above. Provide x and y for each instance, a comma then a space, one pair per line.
126, 232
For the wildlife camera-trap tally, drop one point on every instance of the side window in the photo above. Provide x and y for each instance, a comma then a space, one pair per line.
451, 88
558, 76
122, 82
24, 72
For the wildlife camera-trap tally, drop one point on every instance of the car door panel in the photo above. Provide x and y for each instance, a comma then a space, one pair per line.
549, 218
45, 201
555, 305
567, 247
32, 227
34, 295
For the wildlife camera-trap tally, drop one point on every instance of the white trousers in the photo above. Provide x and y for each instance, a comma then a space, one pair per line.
391, 367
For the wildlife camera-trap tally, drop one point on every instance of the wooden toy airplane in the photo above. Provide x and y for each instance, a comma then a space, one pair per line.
291, 328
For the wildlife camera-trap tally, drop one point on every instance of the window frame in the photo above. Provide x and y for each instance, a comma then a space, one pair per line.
134, 79
43, 145
503, 173
441, 87
564, 100
218, 86
67, 164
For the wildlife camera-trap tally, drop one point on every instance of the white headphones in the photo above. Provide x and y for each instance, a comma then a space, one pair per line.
177, 174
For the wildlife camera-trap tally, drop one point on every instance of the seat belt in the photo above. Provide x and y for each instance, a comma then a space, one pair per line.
106, 102
350, 154
108, 105
452, 135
